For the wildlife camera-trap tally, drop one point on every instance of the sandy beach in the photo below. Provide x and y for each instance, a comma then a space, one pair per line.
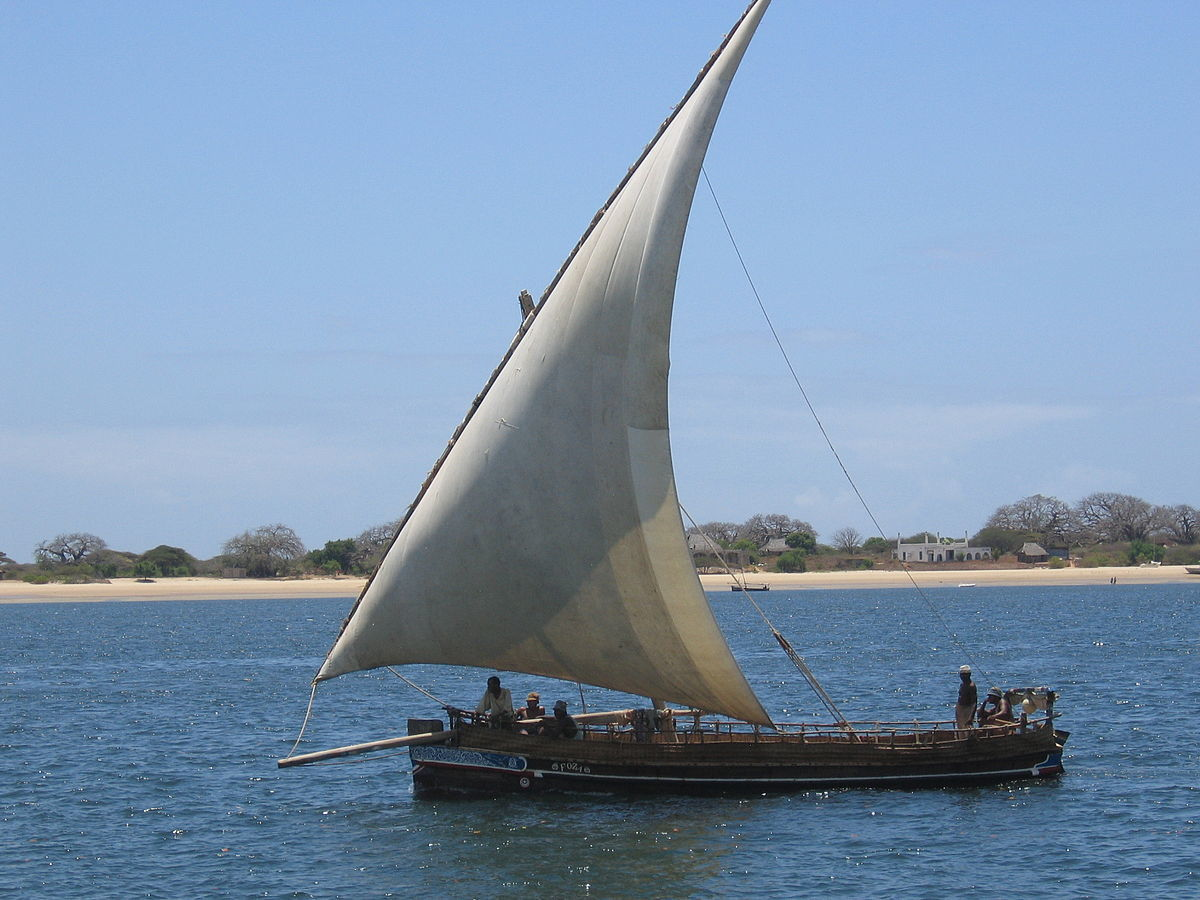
125, 589
120, 589
878, 578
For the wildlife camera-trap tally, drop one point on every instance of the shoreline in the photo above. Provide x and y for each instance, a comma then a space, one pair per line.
129, 589
941, 578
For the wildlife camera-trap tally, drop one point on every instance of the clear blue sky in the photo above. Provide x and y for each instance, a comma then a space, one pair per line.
258, 258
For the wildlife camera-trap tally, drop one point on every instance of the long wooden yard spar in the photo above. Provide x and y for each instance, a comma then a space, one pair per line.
548, 538
435, 737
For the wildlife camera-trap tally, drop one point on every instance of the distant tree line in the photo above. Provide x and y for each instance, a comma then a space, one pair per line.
1107, 528
268, 551
755, 531
79, 557
751, 536
1103, 529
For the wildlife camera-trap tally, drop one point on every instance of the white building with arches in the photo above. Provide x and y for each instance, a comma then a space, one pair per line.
939, 550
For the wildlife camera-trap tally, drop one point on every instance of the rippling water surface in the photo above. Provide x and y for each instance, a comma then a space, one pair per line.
138, 745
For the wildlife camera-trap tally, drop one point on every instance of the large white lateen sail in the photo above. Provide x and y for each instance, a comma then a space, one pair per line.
549, 539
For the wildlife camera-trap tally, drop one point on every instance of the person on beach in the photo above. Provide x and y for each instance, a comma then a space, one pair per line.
561, 725
996, 709
532, 709
496, 704
968, 697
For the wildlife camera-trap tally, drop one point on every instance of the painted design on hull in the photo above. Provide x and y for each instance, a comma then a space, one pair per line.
1051, 765
467, 759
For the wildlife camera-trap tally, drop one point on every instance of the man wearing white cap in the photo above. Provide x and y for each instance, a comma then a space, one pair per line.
964, 709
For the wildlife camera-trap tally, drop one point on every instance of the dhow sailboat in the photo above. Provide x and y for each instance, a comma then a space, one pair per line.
555, 504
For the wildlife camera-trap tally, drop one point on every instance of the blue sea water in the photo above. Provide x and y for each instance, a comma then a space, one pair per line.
138, 745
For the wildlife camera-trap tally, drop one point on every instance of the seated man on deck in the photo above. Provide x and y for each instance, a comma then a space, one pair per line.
996, 709
532, 709
496, 704
561, 725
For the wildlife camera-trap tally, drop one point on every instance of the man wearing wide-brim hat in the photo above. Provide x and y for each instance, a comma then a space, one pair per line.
996, 709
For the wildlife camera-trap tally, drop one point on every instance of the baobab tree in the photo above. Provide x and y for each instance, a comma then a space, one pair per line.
266, 551
67, 549
847, 539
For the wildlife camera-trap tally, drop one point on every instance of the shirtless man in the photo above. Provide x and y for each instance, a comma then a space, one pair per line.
532, 709
996, 709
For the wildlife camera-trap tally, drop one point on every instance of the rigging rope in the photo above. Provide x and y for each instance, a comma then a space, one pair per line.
795, 657
416, 687
821, 426
312, 695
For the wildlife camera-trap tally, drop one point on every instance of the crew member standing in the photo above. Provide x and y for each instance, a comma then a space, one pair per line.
968, 697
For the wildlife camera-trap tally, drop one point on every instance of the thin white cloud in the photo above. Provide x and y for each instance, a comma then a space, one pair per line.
195, 486
949, 428
943, 255
224, 454
823, 336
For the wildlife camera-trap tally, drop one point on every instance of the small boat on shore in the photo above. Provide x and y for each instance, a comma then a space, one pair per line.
749, 587
1192, 570
548, 540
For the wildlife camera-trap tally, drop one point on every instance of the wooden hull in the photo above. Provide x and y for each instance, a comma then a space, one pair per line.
482, 759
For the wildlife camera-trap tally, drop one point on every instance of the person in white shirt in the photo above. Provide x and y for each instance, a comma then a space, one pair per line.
496, 704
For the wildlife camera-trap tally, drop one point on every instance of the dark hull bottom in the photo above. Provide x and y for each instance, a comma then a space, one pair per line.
484, 769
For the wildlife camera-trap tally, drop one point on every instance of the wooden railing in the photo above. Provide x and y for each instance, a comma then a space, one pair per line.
690, 727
